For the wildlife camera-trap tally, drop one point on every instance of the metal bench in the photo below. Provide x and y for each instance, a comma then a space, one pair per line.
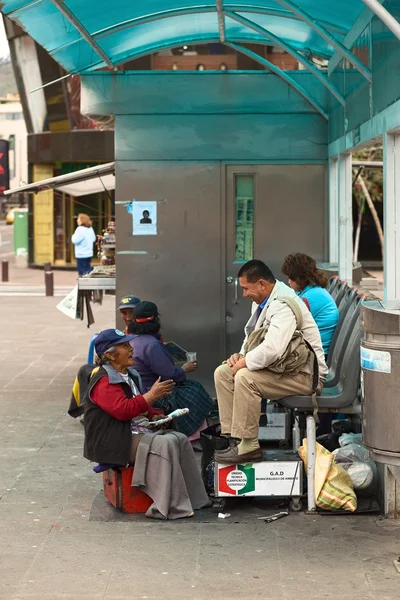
343, 395
340, 341
339, 291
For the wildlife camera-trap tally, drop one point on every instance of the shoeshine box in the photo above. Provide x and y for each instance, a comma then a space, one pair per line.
281, 474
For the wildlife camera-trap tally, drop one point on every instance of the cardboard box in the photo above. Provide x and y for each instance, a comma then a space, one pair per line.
278, 424
281, 474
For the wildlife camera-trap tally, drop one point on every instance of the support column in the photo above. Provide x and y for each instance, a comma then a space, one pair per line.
391, 215
333, 211
345, 219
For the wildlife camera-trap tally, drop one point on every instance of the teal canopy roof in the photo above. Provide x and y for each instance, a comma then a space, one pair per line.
83, 35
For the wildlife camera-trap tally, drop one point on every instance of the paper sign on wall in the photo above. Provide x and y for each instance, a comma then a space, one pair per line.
144, 217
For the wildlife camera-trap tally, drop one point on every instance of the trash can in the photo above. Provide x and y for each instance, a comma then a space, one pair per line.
380, 380
330, 269
21, 232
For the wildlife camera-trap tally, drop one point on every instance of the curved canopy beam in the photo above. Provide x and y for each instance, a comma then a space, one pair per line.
328, 37
83, 32
299, 57
221, 21
282, 74
165, 14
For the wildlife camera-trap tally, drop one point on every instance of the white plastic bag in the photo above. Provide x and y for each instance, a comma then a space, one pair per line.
354, 458
69, 305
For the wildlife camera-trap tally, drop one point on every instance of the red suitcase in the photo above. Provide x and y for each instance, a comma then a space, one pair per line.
118, 490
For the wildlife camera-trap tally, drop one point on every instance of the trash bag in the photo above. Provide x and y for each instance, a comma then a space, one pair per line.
354, 458
333, 485
330, 441
350, 438
211, 441
342, 426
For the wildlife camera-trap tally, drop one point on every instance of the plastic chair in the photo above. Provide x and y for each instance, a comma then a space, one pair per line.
350, 299
339, 344
332, 283
344, 393
90, 359
339, 292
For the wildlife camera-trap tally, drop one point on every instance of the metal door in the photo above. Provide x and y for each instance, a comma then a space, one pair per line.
180, 268
271, 210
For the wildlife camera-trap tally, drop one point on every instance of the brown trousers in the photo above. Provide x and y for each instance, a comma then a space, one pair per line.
239, 397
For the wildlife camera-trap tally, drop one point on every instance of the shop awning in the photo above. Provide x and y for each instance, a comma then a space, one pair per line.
79, 183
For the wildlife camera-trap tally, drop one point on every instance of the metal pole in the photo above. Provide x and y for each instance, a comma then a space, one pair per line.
311, 454
333, 210
384, 15
391, 215
345, 207
48, 280
4, 271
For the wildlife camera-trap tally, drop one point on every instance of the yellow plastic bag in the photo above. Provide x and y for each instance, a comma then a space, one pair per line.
333, 486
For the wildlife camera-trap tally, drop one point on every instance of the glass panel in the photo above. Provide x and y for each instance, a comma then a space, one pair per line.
244, 217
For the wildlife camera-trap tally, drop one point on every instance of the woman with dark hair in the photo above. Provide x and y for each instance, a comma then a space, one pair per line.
152, 360
310, 284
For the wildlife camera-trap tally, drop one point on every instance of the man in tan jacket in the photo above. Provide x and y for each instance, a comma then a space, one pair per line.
244, 379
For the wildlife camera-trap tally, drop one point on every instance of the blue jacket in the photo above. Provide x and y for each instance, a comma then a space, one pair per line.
153, 360
324, 310
83, 238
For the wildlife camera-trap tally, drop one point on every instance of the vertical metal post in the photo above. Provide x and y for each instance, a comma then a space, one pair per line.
4, 271
311, 454
391, 215
333, 210
345, 212
48, 280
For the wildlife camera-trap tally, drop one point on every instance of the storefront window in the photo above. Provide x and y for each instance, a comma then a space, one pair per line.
244, 217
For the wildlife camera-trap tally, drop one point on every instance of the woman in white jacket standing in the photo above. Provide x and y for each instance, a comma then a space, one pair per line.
83, 239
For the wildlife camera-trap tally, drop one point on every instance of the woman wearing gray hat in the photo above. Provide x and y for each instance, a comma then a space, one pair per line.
116, 434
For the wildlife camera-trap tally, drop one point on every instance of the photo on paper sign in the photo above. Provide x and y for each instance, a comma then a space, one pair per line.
144, 217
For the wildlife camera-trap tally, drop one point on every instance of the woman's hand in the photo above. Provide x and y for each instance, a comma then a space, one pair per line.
161, 388
190, 366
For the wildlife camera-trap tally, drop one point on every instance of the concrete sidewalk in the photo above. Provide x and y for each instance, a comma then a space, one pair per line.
50, 549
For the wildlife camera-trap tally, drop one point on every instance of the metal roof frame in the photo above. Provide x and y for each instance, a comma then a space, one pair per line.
282, 74
328, 37
82, 30
297, 55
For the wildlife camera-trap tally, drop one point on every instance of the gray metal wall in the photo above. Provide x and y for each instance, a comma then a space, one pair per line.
183, 269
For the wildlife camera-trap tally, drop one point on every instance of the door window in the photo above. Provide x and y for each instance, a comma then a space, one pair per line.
244, 218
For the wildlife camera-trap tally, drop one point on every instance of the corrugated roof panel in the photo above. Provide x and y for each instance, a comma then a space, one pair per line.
126, 28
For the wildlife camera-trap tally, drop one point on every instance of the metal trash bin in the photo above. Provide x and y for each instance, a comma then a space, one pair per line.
330, 269
380, 363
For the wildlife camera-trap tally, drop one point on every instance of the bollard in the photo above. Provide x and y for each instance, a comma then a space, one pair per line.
4, 271
48, 280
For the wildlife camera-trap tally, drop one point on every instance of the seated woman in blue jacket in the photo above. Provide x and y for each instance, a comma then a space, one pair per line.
310, 284
152, 360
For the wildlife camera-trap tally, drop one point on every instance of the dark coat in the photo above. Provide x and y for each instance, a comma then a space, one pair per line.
107, 440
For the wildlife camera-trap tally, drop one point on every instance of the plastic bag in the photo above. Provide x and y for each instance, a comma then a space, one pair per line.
211, 441
354, 458
350, 438
333, 486
330, 441
69, 304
